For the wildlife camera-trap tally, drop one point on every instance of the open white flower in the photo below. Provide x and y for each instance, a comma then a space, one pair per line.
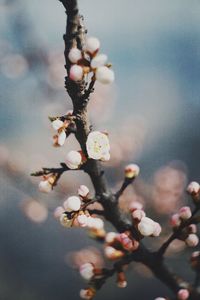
72, 203
45, 186
57, 124
98, 146
73, 159
146, 226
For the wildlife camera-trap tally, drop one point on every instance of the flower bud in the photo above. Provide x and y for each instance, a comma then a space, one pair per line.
82, 220
132, 171
72, 203
57, 124
74, 55
61, 138
83, 191
125, 241
192, 228
157, 229
98, 61
185, 212
64, 221
111, 237
193, 188
87, 294
135, 205
112, 254
87, 271
183, 294
192, 240
95, 223
76, 73
92, 45
105, 75
160, 298
138, 214
58, 212
175, 220
146, 226
45, 186
73, 159
121, 280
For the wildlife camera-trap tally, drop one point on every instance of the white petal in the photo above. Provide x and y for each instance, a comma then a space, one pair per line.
57, 124
105, 75
61, 138
99, 61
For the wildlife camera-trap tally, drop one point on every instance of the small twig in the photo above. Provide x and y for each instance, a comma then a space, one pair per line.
125, 184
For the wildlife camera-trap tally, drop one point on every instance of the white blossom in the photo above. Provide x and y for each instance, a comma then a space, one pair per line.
83, 191
57, 124
98, 146
146, 226
98, 61
95, 223
132, 170
61, 138
105, 75
72, 203
73, 159
82, 220
185, 212
45, 186
76, 73
87, 271
92, 45
74, 55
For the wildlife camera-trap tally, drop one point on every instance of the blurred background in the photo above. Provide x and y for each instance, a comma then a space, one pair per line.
151, 113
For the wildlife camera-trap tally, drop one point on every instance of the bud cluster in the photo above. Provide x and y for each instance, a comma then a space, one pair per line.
89, 61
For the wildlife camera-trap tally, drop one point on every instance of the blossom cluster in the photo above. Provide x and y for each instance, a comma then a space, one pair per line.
90, 61
189, 232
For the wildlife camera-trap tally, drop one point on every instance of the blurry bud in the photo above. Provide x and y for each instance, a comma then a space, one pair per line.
157, 229
195, 260
74, 55
193, 188
95, 223
146, 226
110, 237
185, 212
58, 212
87, 271
183, 294
83, 191
87, 294
121, 280
61, 138
135, 205
57, 124
192, 228
45, 186
82, 220
72, 203
160, 298
132, 171
92, 45
112, 254
99, 61
138, 214
175, 220
64, 221
192, 240
76, 73
105, 75
98, 145
73, 159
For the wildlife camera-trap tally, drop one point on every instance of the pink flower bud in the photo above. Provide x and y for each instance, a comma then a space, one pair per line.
76, 73
146, 226
195, 254
183, 294
105, 75
135, 205
112, 254
82, 220
185, 212
110, 237
193, 188
132, 171
58, 212
157, 229
72, 203
192, 240
87, 271
175, 220
73, 159
92, 45
125, 241
83, 191
74, 55
45, 186
138, 214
